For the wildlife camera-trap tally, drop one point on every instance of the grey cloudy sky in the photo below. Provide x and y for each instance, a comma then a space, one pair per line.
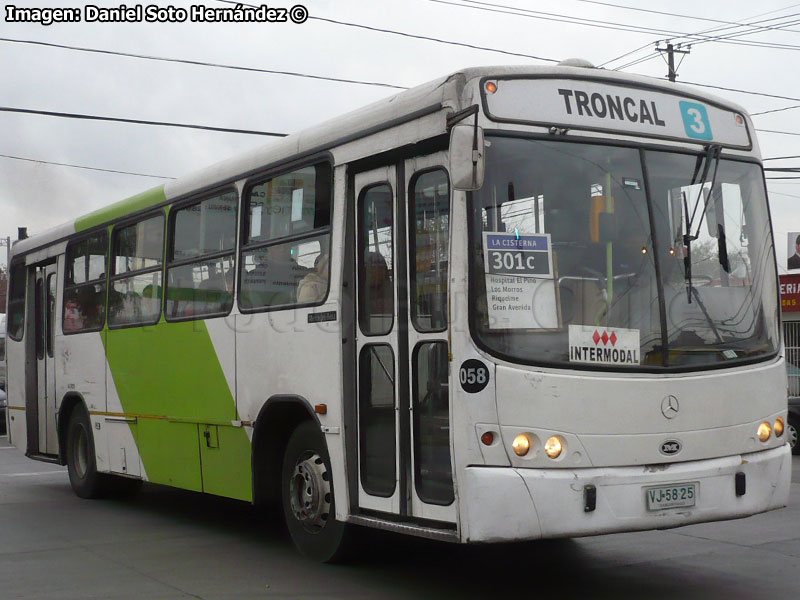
39, 196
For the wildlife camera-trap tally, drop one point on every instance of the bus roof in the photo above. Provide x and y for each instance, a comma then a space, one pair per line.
443, 93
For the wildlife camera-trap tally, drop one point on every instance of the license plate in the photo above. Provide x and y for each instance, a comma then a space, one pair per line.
677, 495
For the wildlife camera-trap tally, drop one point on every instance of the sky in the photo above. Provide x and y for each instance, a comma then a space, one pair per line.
38, 195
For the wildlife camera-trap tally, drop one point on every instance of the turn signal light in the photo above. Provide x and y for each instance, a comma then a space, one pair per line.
487, 438
764, 430
521, 445
553, 447
491, 87
778, 427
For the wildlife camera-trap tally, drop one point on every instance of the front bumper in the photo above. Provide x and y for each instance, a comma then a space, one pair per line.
504, 504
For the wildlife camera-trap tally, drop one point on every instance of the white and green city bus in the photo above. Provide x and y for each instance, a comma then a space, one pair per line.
513, 303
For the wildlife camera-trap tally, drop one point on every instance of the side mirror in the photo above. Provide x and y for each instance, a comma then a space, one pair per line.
711, 213
466, 157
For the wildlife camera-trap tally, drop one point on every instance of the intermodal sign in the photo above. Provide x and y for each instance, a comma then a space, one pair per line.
790, 293
603, 105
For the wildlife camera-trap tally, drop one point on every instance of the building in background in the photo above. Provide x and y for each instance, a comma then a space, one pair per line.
790, 313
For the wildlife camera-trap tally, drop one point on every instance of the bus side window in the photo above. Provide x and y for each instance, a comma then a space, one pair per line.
138, 250
275, 271
201, 262
85, 284
429, 244
16, 302
376, 260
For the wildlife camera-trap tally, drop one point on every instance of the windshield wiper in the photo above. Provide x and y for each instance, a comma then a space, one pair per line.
713, 152
706, 315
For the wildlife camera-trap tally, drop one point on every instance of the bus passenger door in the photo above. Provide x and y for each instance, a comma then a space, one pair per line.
45, 320
427, 204
402, 355
379, 356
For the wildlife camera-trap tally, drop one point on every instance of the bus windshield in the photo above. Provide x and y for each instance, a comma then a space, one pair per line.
615, 257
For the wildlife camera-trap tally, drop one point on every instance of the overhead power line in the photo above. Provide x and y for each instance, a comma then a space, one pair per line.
647, 45
202, 63
736, 34
47, 162
431, 39
766, 112
208, 127
360, 82
638, 61
779, 132
781, 157
669, 14
556, 17
727, 89
410, 35
753, 25
562, 18
136, 121
693, 41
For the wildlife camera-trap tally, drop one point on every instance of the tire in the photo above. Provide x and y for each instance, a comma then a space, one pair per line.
307, 496
86, 482
791, 436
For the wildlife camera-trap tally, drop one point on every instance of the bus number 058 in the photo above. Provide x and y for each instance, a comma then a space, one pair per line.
473, 375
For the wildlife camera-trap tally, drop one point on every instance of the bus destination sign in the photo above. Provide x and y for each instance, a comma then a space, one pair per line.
520, 288
513, 254
586, 104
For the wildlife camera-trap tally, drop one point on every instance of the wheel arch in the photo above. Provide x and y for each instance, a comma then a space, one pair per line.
278, 418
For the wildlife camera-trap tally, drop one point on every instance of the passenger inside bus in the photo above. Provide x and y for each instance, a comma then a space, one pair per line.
314, 286
274, 279
378, 289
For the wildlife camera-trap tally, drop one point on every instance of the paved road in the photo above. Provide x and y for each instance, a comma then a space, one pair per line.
172, 544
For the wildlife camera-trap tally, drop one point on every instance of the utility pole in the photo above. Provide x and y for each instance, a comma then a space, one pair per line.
671, 51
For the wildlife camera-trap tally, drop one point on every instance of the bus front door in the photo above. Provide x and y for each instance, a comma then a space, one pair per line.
43, 414
404, 464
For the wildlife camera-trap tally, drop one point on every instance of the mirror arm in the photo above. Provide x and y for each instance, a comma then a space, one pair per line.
461, 115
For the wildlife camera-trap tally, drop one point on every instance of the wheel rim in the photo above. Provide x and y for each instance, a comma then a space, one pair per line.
80, 452
792, 435
310, 492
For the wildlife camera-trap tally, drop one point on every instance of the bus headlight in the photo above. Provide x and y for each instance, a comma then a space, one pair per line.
553, 447
778, 427
521, 444
763, 432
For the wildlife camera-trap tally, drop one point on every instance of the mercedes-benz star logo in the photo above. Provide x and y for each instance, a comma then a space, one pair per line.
670, 407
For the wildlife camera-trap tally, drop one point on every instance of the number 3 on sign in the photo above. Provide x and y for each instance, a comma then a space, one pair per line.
695, 121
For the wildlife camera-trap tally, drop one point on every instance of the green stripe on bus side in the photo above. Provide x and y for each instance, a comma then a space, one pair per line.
120, 209
171, 370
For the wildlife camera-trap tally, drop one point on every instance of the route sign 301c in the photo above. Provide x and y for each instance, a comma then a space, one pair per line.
512, 254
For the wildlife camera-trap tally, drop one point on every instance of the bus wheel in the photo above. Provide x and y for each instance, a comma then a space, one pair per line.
307, 494
83, 476
791, 436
